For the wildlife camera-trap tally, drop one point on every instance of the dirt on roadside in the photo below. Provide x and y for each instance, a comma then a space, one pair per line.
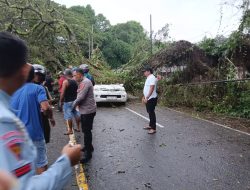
241, 124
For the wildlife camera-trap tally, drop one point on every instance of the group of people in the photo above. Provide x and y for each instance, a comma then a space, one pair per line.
24, 111
77, 100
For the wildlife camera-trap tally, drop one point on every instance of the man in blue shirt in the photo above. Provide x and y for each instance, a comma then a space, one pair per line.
27, 102
17, 151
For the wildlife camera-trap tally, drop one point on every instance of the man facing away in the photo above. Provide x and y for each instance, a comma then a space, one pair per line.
87, 107
18, 154
47, 119
27, 101
67, 98
150, 98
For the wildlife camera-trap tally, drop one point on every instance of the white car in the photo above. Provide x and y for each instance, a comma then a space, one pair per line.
110, 93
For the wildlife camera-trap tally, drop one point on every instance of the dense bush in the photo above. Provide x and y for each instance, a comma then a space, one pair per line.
231, 98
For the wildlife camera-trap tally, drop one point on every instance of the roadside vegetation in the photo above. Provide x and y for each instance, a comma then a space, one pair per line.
59, 37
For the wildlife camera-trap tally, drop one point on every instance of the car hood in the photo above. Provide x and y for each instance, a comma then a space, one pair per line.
109, 87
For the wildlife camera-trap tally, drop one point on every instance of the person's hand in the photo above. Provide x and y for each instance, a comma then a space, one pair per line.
144, 100
7, 181
60, 105
77, 108
53, 122
73, 152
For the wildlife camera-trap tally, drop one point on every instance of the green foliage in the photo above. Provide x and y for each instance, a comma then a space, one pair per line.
232, 98
215, 47
120, 41
58, 37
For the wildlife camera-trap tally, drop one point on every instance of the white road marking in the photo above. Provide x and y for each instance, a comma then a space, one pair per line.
212, 122
157, 124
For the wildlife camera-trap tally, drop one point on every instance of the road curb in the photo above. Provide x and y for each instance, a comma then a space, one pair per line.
79, 168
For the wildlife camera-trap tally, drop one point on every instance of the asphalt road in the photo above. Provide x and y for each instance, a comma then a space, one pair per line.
184, 154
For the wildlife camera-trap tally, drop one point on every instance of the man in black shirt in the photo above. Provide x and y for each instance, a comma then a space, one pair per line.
67, 98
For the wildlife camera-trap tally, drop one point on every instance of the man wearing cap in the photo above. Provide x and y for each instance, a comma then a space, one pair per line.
47, 119
67, 98
85, 69
150, 98
17, 152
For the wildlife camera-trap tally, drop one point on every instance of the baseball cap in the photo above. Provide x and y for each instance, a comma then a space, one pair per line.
83, 66
39, 69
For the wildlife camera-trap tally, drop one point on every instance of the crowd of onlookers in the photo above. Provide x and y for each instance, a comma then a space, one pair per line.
28, 94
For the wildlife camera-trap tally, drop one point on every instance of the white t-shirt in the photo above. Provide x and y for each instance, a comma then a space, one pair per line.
151, 80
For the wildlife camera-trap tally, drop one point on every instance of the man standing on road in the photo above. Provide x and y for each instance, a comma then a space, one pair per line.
18, 154
28, 101
67, 98
87, 107
150, 98
39, 77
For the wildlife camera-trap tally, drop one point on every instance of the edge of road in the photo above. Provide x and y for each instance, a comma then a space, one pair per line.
208, 121
183, 113
79, 168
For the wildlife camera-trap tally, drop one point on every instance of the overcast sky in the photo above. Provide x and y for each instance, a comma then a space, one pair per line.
189, 19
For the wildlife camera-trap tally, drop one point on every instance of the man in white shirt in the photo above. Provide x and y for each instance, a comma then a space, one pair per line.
150, 98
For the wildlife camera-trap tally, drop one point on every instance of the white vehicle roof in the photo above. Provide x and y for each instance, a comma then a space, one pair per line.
109, 86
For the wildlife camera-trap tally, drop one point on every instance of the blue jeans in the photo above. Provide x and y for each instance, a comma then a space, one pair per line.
68, 111
41, 159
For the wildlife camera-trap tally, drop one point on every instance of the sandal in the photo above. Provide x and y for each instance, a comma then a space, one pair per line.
68, 133
77, 130
147, 128
151, 131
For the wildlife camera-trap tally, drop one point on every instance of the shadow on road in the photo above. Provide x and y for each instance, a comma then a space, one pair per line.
110, 104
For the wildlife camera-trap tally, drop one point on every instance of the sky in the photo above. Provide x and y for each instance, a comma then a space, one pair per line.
188, 19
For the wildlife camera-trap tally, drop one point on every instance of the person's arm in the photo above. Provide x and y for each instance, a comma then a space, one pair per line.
83, 89
151, 83
44, 104
151, 90
64, 87
56, 177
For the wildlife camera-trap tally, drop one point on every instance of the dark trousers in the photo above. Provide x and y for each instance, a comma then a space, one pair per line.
46, 127
150, 106
87, 126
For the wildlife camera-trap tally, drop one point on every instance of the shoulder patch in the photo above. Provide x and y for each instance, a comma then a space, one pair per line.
22, 170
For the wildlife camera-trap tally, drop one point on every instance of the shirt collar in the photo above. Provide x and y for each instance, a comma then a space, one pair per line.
5, 98
149, 75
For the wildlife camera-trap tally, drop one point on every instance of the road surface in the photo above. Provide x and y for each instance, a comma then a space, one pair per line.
185, 153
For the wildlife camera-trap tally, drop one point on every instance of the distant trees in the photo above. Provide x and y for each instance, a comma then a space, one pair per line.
58, 36
120, 41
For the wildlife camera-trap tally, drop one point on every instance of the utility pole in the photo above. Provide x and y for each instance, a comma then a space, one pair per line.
92, 39
151, 36
89, 46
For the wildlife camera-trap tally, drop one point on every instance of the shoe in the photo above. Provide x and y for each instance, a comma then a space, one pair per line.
151, 131
77, 130
87, 157
68, 133
92, 149
147, 128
